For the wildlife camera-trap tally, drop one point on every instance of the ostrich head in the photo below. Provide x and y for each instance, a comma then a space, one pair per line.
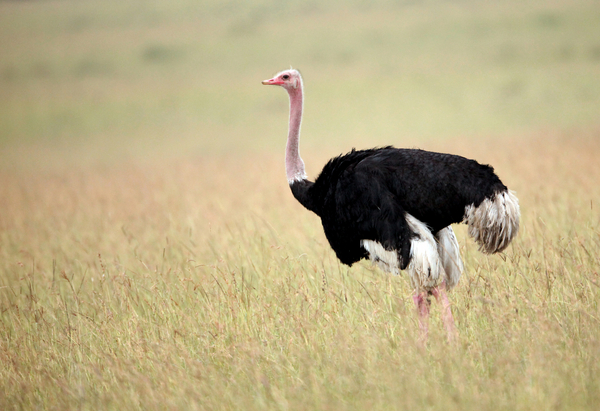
288, 79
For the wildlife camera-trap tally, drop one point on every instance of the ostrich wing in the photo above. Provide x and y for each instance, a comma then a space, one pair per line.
360, 207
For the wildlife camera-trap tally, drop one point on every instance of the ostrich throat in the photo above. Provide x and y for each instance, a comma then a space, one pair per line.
294, 166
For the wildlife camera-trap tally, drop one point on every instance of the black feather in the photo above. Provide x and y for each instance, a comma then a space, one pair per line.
364, 195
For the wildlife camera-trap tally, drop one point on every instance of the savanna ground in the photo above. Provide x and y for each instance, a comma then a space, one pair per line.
152, 256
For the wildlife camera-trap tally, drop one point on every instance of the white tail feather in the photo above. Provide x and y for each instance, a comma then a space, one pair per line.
495, 222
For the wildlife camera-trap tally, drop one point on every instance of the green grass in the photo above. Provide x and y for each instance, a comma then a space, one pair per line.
152, 256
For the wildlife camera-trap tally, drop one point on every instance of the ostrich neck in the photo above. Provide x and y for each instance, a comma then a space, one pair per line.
294, 166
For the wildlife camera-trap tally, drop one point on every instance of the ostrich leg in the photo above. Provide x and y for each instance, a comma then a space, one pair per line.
442, 297
422, 302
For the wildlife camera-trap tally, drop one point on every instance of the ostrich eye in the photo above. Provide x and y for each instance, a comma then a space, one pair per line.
285, 76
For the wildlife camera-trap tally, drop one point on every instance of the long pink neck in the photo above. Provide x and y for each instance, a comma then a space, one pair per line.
294, 166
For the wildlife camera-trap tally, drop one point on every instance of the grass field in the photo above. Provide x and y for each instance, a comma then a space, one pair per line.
152, 256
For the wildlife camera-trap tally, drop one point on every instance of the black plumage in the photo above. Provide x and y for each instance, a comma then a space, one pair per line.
364, 195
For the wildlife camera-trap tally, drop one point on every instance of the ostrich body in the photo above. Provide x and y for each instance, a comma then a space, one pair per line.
395, 207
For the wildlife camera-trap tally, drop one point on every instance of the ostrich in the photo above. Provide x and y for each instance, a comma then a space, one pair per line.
395, 207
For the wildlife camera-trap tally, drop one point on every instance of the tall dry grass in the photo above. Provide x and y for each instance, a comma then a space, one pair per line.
201, 284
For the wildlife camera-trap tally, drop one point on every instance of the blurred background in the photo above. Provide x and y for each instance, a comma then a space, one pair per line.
101, 82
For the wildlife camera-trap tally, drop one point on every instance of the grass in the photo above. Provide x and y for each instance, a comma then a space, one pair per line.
160, 286
152, 257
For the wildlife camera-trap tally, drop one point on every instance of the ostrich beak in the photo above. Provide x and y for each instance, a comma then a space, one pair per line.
273, 82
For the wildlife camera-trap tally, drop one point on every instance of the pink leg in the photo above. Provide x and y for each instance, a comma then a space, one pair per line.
422, 303
442, 297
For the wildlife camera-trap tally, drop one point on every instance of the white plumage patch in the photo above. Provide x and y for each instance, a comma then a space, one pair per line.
449, 252
384, 259
495, 222
428, 257
424, 267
